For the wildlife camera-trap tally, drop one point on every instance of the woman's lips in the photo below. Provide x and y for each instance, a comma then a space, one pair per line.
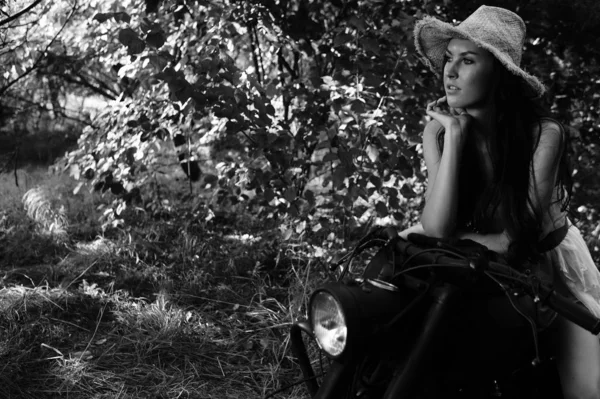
451, 89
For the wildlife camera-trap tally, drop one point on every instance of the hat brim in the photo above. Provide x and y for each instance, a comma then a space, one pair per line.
431, 40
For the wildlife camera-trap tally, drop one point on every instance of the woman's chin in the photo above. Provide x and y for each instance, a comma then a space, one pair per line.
456, 103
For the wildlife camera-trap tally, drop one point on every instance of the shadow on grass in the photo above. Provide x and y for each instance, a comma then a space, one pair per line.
163, 311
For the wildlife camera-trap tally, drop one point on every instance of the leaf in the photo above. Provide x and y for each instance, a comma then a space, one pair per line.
376, 181
370, 44
159, 62
394, 203
290, 194
287, 234
210, 178
398, 215
162, 133
269, 195
330, 156
130, 155
102, 17
358, 23
404, 166
338, 177
240, 98
156, 39
407, 191
381, 209
328, 80
373, 153
129, 38
122, 17
342, 39
117, 188
78, 187
310, 196
191, 169
372, 79
357, 106
75, 171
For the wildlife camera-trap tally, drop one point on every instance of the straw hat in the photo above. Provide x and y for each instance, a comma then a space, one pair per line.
500, 31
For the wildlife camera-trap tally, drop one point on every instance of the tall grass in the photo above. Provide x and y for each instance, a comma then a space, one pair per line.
171, 307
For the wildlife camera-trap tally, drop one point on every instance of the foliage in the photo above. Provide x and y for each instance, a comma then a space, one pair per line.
297, 110
296, 125
234, 144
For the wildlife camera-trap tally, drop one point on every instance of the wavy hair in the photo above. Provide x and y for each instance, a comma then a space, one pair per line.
512, 149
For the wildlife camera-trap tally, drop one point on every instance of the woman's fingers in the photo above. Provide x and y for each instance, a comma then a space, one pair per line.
444, 118
437, 104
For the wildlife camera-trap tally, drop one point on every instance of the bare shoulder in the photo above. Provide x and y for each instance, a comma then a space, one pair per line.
550, 133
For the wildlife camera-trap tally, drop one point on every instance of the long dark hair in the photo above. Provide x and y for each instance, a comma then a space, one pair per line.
512, 150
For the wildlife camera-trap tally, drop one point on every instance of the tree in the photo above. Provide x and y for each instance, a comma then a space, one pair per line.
296, 108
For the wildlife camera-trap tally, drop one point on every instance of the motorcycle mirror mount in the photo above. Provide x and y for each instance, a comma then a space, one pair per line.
384, 285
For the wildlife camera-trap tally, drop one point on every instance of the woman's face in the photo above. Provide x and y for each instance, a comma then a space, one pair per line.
468, 75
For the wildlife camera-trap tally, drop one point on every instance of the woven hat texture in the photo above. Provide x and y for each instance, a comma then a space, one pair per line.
498, 30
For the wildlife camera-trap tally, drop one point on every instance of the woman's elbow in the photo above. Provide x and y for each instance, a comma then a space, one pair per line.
439, 230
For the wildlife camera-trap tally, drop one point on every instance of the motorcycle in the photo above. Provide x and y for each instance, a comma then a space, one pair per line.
430, 318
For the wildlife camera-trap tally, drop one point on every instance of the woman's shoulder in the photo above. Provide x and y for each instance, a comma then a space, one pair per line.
549, 131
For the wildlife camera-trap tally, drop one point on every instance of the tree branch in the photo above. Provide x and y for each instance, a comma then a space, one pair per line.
85, 83
23, 11
35, 64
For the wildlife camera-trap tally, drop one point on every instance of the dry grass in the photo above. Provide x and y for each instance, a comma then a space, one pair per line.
169, 308
49, 215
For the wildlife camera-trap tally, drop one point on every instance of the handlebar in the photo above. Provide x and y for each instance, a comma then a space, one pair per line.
420, 248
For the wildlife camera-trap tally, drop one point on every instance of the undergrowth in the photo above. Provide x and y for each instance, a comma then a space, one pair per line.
169, 307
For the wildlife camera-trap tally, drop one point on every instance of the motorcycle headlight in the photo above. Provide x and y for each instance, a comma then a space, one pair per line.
343, 316
329, 323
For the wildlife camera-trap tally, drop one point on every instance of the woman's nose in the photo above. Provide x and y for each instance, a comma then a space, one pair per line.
450, 70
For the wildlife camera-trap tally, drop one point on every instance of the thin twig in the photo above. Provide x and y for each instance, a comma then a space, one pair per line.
23, 11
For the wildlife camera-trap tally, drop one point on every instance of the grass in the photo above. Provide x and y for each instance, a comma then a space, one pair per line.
166, 308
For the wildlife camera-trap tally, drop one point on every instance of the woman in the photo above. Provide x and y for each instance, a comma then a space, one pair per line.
497, 171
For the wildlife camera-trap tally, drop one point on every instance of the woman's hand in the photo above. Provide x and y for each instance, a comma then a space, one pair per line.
454, 120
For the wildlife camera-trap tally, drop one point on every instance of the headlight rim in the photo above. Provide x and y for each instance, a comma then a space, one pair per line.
343, 313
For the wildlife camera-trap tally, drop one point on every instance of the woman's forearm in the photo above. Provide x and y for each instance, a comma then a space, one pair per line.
439, 215
497, 242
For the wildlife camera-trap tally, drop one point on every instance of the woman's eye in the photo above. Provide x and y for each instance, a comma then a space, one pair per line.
468, 61
446, 59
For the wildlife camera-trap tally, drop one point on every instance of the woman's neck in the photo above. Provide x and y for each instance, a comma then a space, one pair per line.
484, 120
